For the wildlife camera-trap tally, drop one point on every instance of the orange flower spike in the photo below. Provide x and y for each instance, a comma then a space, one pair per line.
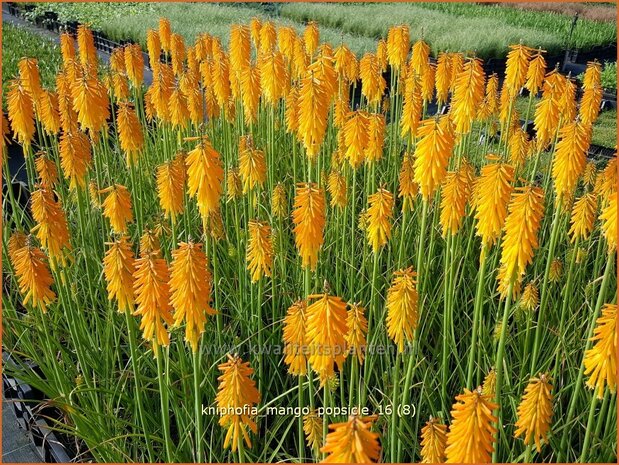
190, 290
86, 46
171, 178
75, 157
398, 44
583, 217
129, 132
259, 250
34, 277
454, 197
516, 69
468, 94
326, 334
51, 228
535, 412
67, 47
134, 62
609, 223
352, 442
237, 391
601, 359
294, 334
471, 435
313, 112
433, 441
420, 58
311, 37
372, 82
434, 148
402, 308
413, 107
118, 269
117, 207
165, 34
48, 112
250, 94
153, 46
357, 325
536, 73
46, 171
526, 210
178, 53
29, 77
91, 102
356, 135
152, 296
21, 113
337, 188
272, 77
443, 77
268, 38
204, 177
380, 216
570, 157
309, 222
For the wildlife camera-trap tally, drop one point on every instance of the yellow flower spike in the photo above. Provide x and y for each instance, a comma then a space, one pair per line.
129, 132
356, 138
454, 197
530, 297
153, 46
398, 44
51, 227
583, 217
412, 108
91, 102
118, 269
33, 277
252, 165
268, 38
177, 53
556, 271
590, 105
48, 112
546, 120
341, 111
489, 384
190, 290
67, 47
291, 112
30, 78
17, 241
337, 189
518, 147
427, 83
516, 68
570, 157
165, 34
255, 25
535, 411
294, 334
86, 46
372, 82
149, 243
46, 171
272, 77
250, 93
567, 102
380, 215
170, 179
233, 183
117, 207
402, 308
300, 59
443, 77
220, 73
279, 202
75, 157
236, 391
312, 427
117, 61
134, 63
468, 93
536, 73
313, 111
376, 137
259, 250
601, 359
491, 196
434, 148
420, 58
352, 442
609, 223
178, 109
608, 180
309, 222
408, 188
311, 37
589, 174
526, 210
21, 113
286, 37
471, 435
326, 334
204, 177
357, 325
433, 441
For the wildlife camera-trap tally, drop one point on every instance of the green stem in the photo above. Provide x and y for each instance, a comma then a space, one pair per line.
477, 312
164, 399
